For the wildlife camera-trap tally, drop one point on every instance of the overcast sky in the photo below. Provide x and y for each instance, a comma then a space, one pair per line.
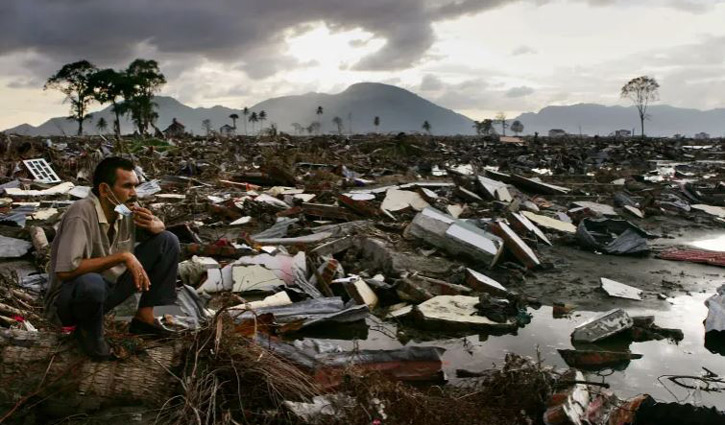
473, 56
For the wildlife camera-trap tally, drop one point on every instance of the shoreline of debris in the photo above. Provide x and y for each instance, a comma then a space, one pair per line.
287, 234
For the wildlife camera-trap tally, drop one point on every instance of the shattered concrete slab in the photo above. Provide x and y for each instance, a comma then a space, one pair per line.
457, 311
603, 326
455, 236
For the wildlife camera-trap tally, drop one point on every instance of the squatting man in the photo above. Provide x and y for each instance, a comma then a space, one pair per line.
96, 262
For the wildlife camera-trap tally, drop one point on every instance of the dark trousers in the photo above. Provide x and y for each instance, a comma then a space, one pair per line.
84, 300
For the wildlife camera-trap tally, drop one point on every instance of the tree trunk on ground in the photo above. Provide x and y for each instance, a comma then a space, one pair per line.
45, 365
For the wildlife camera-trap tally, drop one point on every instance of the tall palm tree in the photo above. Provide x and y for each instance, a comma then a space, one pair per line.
262, 117
253, 118
234, 118
245, 112
376, 122
319, 113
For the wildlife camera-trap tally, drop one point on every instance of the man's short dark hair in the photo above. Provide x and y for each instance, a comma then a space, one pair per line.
106, 171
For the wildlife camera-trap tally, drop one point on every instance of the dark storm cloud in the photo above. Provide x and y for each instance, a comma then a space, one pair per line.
245, 31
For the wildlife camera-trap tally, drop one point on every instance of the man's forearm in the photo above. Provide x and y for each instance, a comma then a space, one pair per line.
95, 265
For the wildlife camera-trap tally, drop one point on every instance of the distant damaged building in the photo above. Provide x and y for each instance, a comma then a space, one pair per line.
227, 130
557, 132
176, 129
702, 136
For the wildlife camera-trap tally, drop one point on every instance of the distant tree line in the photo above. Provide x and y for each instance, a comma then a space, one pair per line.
129, 91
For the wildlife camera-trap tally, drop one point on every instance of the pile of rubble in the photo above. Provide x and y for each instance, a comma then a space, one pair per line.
292, 234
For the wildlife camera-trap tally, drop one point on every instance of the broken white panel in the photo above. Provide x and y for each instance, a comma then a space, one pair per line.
456, 236
43, 214
550, 223
619, 182
241, 221
207, 263
80, 192
275, 300
429, 193
150, 188
620, 290
715, 320
42, 171
398, 200
304, 197
362, 293
602, 326
171, 196
710, 209
483, 281
437, 172
283, 190
254, 278
59, 189
477, 239
635, 211
503, 194
491, 186
360, 196
398, 311
520, 249
531, 227
602, 209
264, 198
218, 199
455, 210
466, 170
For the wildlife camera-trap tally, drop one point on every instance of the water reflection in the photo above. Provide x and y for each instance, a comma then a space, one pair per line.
476, 352
713, 244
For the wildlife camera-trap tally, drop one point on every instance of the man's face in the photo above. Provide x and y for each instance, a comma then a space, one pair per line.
125, 187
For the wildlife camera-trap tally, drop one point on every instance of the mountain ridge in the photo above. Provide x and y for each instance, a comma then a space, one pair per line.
402, 110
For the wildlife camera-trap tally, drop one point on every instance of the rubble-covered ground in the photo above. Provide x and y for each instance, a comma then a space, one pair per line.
425, 259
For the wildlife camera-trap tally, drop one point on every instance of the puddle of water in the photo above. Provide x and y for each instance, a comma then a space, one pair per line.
478, 351
713, 244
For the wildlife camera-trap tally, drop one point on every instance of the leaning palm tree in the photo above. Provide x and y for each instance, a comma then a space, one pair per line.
234, 118
426, 127
245, 112
376, 122
262, 117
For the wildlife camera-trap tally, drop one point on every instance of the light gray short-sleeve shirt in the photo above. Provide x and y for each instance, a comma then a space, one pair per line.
82, 234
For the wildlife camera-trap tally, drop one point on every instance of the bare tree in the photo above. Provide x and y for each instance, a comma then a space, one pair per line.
338, 122
641, 91
206, 125
501, 119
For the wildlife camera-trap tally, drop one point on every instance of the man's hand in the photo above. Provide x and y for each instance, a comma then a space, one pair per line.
140, 278
145, 219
